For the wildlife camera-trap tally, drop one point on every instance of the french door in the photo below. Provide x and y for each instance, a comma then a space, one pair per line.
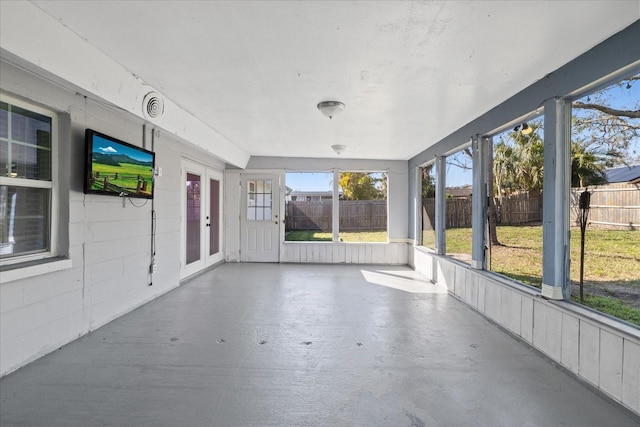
201, 218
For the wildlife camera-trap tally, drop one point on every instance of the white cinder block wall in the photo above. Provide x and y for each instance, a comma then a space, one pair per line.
108, 245
603, 352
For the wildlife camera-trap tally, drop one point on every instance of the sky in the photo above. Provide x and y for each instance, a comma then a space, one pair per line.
623, 98
314, 181
105, 146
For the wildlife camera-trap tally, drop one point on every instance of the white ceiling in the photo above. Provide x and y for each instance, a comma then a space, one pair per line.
409, 72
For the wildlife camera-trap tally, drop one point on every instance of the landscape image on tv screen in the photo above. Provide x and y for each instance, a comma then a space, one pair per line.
118, 168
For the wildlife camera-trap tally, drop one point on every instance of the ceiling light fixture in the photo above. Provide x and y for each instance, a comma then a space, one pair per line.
338, 148
330, 108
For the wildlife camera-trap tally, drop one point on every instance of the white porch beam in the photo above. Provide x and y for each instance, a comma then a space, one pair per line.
335, 224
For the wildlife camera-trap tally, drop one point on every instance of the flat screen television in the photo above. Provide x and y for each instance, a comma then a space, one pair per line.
115, 168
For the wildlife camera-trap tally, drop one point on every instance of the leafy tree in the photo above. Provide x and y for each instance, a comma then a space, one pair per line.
603, 136
428, 183
503, 168
518, 161
363, 186
607, 131
587, 168
529, 155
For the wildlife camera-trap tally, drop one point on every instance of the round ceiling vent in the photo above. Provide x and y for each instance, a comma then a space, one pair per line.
153, 105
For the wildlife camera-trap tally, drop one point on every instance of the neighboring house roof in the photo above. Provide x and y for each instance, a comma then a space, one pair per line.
459, 191
311, 193
623, 174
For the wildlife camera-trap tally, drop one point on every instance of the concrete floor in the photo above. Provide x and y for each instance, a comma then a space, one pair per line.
301, 345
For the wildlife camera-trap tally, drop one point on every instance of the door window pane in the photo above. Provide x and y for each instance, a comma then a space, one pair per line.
193, 218
259, 193
214, 208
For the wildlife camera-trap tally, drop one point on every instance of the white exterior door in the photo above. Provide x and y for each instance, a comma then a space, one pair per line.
201, 218
260, 218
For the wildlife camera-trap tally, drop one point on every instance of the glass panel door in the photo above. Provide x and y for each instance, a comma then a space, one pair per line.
201, 218
214, 215
193, 217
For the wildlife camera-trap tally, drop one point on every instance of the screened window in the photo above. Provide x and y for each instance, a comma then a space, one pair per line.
309, 206
363, 207
458, 194
362, 200
26, 181
428, 175
514, 240
605, 200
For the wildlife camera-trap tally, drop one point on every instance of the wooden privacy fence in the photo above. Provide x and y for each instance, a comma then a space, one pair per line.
354, 215
458, 213
520, 208
515, 209
613, 206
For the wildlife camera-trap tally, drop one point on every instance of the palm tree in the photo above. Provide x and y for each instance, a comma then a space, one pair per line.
428, 183
587, 168
528, 159
503, 168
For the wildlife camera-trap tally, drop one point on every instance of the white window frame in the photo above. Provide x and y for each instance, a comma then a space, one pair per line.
31, 183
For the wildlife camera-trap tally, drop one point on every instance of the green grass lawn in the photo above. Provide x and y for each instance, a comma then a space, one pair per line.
614, 307
307, 236
612, 258
345, 236
127, 176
